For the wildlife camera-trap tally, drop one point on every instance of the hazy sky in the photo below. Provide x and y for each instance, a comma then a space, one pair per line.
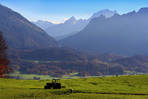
59, 10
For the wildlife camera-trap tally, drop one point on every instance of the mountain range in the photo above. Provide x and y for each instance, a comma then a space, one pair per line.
125, 34
33, 51
70, 26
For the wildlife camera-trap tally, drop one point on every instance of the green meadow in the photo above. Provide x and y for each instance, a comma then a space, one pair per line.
122, 87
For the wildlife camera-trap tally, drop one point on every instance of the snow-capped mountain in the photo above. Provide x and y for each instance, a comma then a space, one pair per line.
106, 12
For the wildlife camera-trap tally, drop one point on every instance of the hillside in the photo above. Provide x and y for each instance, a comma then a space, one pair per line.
60, 61
22, 34
53, 54
137, 63
122, 87
121, 34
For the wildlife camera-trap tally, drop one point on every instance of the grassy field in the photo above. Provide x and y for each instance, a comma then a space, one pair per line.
31, 76
123, 87
42, 77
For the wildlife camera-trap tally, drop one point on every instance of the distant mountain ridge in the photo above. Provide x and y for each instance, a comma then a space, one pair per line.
22, 34
43, 24
72, 25
68, 27
125, 34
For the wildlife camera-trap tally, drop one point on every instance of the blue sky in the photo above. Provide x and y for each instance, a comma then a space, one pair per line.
59, 10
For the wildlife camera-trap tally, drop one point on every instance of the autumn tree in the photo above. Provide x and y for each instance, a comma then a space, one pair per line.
3, 57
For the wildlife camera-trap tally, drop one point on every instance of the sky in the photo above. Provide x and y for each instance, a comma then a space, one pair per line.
57, 11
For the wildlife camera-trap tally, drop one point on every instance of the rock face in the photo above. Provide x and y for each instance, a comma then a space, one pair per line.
20, 33
121, 34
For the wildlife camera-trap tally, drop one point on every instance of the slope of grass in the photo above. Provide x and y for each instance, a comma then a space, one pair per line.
83, 88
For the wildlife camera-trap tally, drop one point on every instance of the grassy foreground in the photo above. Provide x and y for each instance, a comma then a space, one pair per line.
123, 87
